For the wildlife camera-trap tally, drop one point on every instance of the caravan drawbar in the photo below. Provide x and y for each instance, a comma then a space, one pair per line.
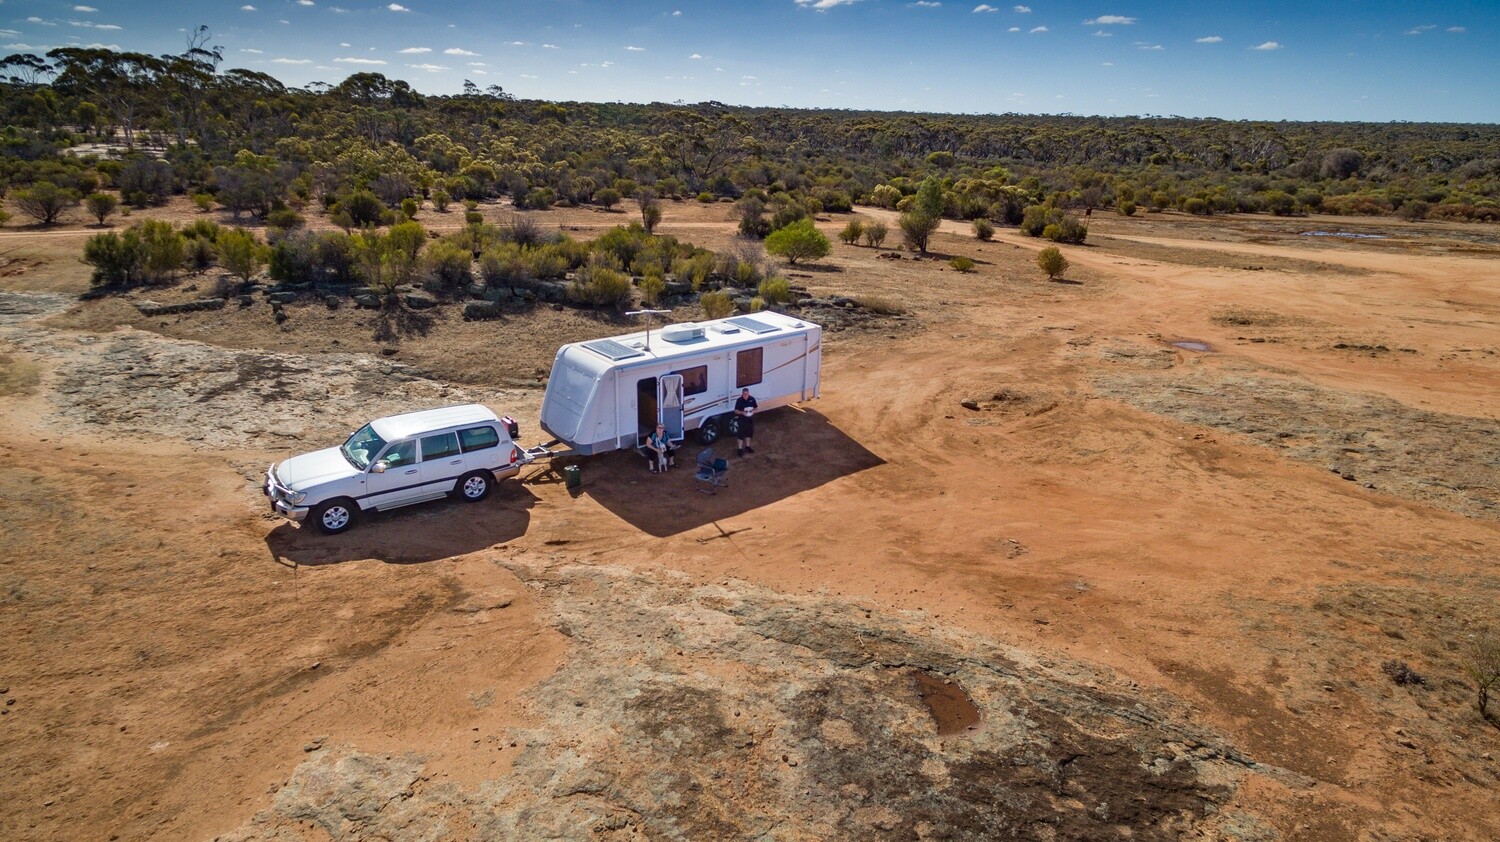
606, 394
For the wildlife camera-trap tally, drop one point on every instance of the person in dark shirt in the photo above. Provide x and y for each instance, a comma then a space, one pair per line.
745, 409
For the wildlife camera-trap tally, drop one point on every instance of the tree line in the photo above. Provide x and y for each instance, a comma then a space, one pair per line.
243, 141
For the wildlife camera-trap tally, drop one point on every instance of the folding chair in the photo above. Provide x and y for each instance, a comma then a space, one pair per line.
713, 473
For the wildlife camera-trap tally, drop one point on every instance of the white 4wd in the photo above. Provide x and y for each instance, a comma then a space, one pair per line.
396, 461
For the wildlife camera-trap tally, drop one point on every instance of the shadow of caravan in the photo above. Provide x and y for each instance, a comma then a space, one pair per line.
609, 394
796, 450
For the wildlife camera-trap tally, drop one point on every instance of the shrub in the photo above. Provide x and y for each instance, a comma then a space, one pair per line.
600, 286
284, 218
45, 201
1051, 261
293, 257
1198, 206
962, 264
876, 304
607, 198
917, 229
240, 254
473, 217
1126, 208
166, 250
776, 290
441, 200
1413, 210
1279, 203
547, 261
650, 215
101, 205
798, 241
875, 233
450, 264
409, 207
851, 232
503, 265
201, 255
984, 229
118, 259
363, 208
653, 285
145, 181
716, 305
1481, 663
4, 217
1067, 229
707, 198
885, 196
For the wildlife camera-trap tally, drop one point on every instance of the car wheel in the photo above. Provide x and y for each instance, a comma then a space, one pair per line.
474, 487
734, 425
709, 432
334, 516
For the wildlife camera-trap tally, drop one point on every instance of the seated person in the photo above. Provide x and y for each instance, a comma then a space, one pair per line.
660, 451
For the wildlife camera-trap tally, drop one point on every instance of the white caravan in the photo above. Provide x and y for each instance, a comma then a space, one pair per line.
608, 394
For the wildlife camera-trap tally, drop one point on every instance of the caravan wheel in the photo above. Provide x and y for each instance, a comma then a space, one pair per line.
709, 432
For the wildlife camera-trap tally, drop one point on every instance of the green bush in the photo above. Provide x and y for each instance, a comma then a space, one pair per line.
798, 241
441, 200
1197, 206
776, 290
716, 305
1126, 208
984, 229
851, 232
653, 285
240, 254
363, 208
1051, 261
503, 265
449, 264
166, 250
875, 234
409, 207
284, 218
118, 259
962, 264
601, 287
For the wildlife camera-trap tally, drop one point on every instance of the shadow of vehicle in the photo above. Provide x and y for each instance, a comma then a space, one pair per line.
413, 534
797, 449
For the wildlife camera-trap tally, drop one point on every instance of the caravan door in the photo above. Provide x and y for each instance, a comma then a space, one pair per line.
669, 405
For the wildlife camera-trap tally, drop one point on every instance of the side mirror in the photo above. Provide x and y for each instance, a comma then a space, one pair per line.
378, 468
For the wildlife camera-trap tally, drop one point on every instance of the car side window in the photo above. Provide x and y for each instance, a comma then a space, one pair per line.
439, 446
478, 438
400, 453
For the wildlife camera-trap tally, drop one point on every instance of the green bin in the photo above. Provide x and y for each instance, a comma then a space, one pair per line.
572, 476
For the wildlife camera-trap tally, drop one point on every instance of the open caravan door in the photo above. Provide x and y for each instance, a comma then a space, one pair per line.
669, 405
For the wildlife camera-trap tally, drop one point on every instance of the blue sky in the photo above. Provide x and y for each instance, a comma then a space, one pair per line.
1337, 60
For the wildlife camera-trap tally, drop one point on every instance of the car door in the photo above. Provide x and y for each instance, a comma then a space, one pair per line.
442, 463
481, 447
398, 479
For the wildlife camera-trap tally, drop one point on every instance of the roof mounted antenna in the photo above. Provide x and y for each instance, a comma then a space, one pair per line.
648, 324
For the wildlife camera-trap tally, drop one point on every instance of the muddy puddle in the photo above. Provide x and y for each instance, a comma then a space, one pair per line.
952, 709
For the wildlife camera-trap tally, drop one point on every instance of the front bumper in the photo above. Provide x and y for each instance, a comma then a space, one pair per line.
279, 504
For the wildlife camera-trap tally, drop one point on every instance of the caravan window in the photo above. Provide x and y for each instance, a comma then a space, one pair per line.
694, 380
747, 367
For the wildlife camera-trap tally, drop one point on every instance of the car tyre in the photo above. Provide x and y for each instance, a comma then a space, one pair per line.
473, 487
734, 425
334, 516
709, 432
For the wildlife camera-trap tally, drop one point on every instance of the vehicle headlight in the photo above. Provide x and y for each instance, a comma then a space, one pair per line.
295, 497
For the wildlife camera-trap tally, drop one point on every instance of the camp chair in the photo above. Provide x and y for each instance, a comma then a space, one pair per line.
713, 473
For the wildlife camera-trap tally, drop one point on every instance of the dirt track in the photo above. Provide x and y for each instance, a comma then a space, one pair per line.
1027, 472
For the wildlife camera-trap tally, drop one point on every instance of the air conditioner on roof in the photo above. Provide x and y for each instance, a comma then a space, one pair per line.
685, 332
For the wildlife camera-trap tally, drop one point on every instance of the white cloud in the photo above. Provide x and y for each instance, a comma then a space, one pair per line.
984, 7
478, 64
633, 49
1109, 20
291, 61
247, 8
1156, 47
1457, 29
84, 9
285, 21
515, 43
1036, 29
37, 20
677, 14
21, 47
370, 61
252, 51
430, 68
551, 47
1023, 10
397, 7
1418, 30
824, 5
1210, 39
1107, 64
695, 57
338, 10
306, 3
1102, 34
345, 44
1269, 45
529, 76
927, 4
409, 51
458, 51
478, 72
1014, 29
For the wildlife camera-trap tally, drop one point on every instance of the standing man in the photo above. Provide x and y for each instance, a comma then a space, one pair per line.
745, 409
